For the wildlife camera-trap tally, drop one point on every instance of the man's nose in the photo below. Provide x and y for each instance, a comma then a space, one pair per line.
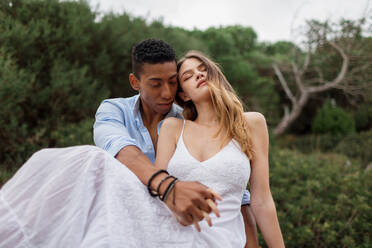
166, 92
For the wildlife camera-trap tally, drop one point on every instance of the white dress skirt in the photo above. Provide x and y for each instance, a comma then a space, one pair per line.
83, 197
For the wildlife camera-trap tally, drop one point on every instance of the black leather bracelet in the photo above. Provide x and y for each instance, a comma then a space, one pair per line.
162, 181
153, 194
169, 189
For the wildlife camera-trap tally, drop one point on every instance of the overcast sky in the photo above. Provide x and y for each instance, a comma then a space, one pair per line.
273, 20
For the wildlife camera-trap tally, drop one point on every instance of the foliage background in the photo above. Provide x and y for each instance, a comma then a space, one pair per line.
58, 61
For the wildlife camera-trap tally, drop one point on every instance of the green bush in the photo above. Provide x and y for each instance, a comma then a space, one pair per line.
334, 120
74, 134
15, 133
50, 62
357, 146
321, 200
363, 117
309, 143
354, 145
65, 134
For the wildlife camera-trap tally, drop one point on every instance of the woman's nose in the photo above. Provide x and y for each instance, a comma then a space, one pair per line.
199, 75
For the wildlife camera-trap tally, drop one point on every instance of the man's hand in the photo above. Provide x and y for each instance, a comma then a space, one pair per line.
191, 202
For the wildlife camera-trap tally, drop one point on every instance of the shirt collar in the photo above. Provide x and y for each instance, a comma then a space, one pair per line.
136, 108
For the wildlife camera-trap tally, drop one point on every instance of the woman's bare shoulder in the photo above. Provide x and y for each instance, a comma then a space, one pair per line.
172, 122
172, 126
255, 120
258, 132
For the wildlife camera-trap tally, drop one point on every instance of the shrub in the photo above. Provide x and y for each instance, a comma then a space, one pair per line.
363, 117
309, 143
334, 120
74, 134
321, 202
357, 146
51, 62
354, 145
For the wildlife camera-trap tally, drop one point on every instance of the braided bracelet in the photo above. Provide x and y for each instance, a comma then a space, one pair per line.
174, 197
152, 193
162, 181
169, 188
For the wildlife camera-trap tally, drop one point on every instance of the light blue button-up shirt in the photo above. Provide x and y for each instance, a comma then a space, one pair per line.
119, 124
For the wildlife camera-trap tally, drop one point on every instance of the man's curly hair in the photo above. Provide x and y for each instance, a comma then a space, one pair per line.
151, 51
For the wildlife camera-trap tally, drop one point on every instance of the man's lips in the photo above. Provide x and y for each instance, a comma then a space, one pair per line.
166, 104
200, 83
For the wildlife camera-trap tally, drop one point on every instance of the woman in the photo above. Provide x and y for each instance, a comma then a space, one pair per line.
214, 144
218, 145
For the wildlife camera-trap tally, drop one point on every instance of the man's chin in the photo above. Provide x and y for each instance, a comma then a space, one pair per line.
164, 109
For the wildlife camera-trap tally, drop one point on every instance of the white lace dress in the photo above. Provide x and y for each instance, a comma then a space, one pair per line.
82, 197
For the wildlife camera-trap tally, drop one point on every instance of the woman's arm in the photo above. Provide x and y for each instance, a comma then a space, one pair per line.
167, 141
262, 203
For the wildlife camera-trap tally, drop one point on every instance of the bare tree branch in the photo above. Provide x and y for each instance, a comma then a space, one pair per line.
297, 75
360, 68
352, 76
306, 62
284, 84
340, 76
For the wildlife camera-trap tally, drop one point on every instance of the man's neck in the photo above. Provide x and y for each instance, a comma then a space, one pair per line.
149, 117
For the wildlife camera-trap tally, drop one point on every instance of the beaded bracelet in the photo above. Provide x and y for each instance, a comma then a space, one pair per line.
152, 193
168, 190
162, 181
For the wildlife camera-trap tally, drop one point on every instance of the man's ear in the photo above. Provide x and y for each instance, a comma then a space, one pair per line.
134, 82
184, 96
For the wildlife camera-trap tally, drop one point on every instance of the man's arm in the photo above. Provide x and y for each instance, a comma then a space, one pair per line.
111, 134
109, 131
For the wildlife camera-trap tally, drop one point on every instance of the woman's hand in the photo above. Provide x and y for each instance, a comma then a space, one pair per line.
191, 202
182, 221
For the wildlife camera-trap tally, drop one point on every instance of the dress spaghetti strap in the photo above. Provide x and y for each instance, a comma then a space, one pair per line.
180, 138
183, 128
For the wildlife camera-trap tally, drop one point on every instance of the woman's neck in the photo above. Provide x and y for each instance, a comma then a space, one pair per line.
206, 114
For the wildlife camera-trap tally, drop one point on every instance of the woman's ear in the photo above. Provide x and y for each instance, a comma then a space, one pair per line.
184, 96
134, 82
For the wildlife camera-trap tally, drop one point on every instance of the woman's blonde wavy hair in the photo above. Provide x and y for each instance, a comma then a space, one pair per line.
226, 104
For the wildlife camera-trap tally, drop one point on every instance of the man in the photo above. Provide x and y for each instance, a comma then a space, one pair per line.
128, 129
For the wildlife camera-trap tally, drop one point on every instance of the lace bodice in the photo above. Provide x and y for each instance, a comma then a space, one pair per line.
227, 172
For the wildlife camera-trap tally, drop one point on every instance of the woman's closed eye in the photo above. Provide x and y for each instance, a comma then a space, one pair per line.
187, 76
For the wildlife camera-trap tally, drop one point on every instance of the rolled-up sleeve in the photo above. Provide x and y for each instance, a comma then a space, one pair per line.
246, 198
109, 130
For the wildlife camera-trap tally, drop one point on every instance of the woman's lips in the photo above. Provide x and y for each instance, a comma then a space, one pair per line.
203, 82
